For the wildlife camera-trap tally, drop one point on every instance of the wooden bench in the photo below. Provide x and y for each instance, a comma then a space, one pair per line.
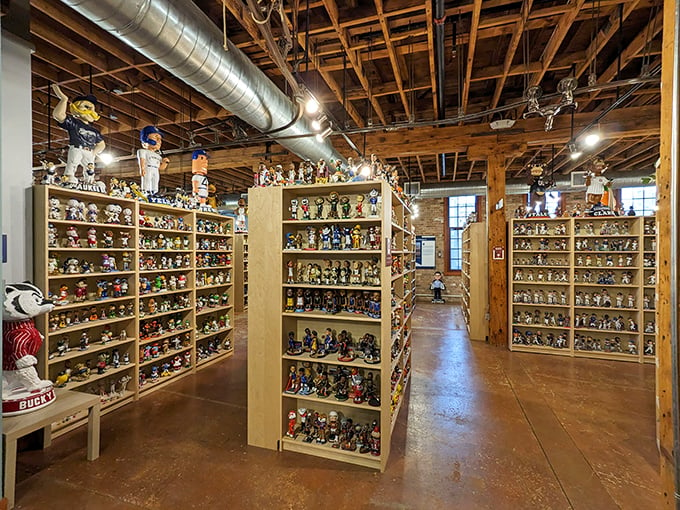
66, 404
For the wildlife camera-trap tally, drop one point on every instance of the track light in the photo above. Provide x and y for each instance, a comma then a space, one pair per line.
574, 153
316, 123
592, 139
320, 137
311, 106
365, 170
106, 158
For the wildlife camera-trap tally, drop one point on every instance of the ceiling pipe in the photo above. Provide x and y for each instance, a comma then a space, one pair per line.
180, 38
439, 14
519, 186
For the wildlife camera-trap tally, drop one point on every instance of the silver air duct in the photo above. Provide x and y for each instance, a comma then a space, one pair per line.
180, 38
518, 186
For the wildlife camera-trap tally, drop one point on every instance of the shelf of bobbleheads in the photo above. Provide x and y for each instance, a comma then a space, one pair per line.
142, 293
85, 253
474, 278
338, 297
241, 271
584, 287
214, 288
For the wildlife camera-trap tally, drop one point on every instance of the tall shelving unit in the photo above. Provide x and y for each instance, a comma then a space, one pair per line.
241, 272
474, 278
382, 243
582, 287
138, 266
97, 322
214, 288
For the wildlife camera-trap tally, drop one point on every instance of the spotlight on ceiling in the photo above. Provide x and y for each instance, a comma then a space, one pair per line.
574, 153
320, 137
592, 139
316, 123
311, 106
106, 158
365, 170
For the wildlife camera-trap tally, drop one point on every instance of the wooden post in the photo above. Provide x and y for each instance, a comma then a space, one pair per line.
497, 234
667, 180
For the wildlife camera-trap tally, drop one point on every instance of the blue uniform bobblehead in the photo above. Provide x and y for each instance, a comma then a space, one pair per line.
151, 163
85, 141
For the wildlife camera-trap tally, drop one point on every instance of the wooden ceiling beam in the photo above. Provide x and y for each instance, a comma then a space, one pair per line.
455, 166
472, 44
559, 33
353, 56
511, 50
637, 45
472, 165
610, 28
620, 123
566, 168
420, 168
639, 155
394, 61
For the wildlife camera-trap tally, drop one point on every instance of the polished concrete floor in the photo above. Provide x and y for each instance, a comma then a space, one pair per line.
483, 428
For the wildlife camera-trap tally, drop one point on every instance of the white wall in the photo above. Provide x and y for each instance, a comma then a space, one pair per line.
16, 159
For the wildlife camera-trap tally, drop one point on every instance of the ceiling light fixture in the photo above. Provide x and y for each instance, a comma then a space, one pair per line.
316, 123
574, 153
311, 106
320, 137
365, 170
592, 139
106, 158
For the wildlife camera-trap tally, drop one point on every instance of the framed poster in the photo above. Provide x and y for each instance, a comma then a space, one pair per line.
425, 252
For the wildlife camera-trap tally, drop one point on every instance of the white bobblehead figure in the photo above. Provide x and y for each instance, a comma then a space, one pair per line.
199, 181
151, 163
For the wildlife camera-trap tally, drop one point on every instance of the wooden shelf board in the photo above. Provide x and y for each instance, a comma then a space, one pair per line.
202, 336
214, 286
89, 325
162, 314
331, 359
116, 274
149, 387
328, 452
323, 286
330, 400
94, 347
90, 302
164, 293
169, 334
216, 309
211, 360
338, 316
94, 376
608, 331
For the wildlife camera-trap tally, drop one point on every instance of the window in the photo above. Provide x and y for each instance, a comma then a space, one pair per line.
459, 210
552, 202
641, 198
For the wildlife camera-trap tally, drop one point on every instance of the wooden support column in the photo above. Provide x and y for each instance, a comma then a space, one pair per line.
497, 234
668, 178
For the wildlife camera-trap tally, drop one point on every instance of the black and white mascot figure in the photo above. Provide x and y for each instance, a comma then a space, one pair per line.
22, 390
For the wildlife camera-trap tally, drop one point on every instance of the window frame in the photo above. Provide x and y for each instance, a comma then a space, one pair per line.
626, 203
447, 233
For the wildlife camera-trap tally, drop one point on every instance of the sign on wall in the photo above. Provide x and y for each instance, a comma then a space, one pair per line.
425, 252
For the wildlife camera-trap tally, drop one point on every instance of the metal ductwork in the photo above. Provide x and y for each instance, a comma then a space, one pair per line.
518, 186
180, 38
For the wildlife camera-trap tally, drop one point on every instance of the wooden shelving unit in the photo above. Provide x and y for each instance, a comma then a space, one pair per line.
155, 282
241, 271
379, 270
578, 285
474, 280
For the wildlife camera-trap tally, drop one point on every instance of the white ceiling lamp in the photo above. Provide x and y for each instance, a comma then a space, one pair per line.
316, 123
311, 106
106, 158
320, 137
574, 153
592, 139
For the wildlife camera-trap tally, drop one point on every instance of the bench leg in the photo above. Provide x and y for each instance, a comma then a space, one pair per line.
93, 432
10, 470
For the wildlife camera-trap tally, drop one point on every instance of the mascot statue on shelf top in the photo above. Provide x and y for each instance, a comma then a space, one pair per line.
597, 192
22, 390
85, 141
199, 181
151, 163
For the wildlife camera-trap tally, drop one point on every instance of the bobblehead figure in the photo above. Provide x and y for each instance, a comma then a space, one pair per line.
85, 141
199, 181
151, 163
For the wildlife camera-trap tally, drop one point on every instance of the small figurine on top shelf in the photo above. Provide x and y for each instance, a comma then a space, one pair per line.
150, 161
240, 223
437, 286
85, 141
